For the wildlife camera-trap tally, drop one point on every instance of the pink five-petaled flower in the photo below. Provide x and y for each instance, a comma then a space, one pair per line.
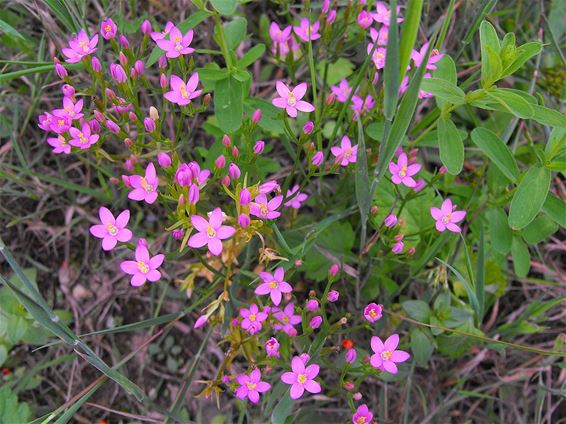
297, 199
70, 109
252, 318
79, 47
287, 319
279, 35
210, 232
446, 217
273, 285
383, 14
342, 91
59, 144
403, 172
251, 386
111, 230
290, 100
261, 208
362, 415
272, 347
419, 55
372, 312
144, 188
346, 153
82, 138
143, 268
182, 93
307, 32
177, 44
108, 29
385, 354
301, 378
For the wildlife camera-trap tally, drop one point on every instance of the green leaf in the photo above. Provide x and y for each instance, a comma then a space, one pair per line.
409, 30
225, 7
541, 228
10, 30
496, 150
363, 195
499, 231
445, 70
529, 197
282, 410
550, 117
235, 32
521, 257
228, 104
556, 209
451, 146
444, 90
251, 55
508, 49
12, 411
521, 55
391, 69
212, 72
480, 276
513, 103
490, 60
421, 345
65, 15
337, 71
469, 289
417, 309
556, 143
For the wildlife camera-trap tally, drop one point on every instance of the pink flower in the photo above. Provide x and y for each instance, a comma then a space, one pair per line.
261, 208
372, 312
143, 268
145, 27
361, 106
317, 159
333, 296
351, 355
268, 187
59, 144
312, 305
447, 217
390, 220
117, 73
273, 285
315, 322
307, 32
333, 270
210, 232
108, 29
403, 172
182, 93
82, 138
272, 347
419, 55
290, 100
385, 355
144, 188
296, 201
380, 36
79, 47
161, 35
279, 35
287, 319
365, 19
190, 173
342, 91
301, 378
177, 44
398, 247
252, 318
70, 109
111, 230
346, 153
251, 386
164, 160
378, 56
331, 16
383, 14
200, 321
362, 415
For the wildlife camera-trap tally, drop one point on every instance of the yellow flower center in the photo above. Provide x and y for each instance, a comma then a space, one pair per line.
446, 219
177, 40
211, 232
111, 229
251, 386
361, 420
403, 171
302, 378
184, 92
70, 111
348, 153
84, 45
62, 140
285, 319
107, 28
143, 267
273, 284
385, 355
61, 122
252, 317
372, 313
264, 209
146, 186
82, 138
291, 99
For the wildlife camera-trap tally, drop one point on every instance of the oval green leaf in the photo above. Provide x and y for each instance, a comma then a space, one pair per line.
451, 146
529, 197
497, 151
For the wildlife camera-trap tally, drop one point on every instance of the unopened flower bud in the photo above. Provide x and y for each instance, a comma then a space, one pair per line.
132, 116
225, 181
194, 194
235, 152
149, 124
256, 117
139, 67
124, 41
153, 113
243, 220
348, 385
128, 142
145, 27
113, 126
162, 62
234, 171
95, 64
317, 159
351, 355
259, 146
110, 93
206, 100
200, 321
309, 127
357, 396
126, 180
333, 270
226, 140
123, 59
163, 81
99, 116
60, 69
177, 233
333, 296
390, 220
114, 180
298, 262
315, 322
331, 99
442, 170
68, 90
331, 17
129, 165
181, 200
220, 162
374, 209
164, 160
245, 197
312, 305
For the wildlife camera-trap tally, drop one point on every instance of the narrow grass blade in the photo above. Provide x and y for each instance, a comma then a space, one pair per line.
467, 285
409, 31
391, 70
480, 276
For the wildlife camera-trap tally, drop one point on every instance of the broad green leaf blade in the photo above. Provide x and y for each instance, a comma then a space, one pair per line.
225, 7
490, 61
446, 70
496, 151
451, 146
421, 345
521, 257
522, 55
550, 117
529, 197
228, 104
8, 29
556, 209
251, 55
469, 289
391, 70
514, 103
409, 30
556, 144
444, 90
282, 410
235, 32
499, 231
541, 228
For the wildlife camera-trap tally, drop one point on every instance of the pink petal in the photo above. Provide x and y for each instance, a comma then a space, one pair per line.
446, 207
396, 179
276, 297
225, 232
282, 89
253, 396
176, 83
297, 363
304, 106
192, 82
399, 356
153, 275
216, 218
262, 289
151, 197
215, 246
300, 90
312, 371
106, 216
255, 375
376, 361
453, 227
242, 392
275, 203
458, 216
291, 111
199, 223
198, 240
440, 226
377, 345
242, 379
142, 254
262, 386
124, 235
312, 386
129, 267
297, 391
392, 342
402, 160
156, 261
390, 367
279, 102
336, 151
288, 378
413, 169
436, 213
409, 182
279, 274
285, 287
346, 143
108, 242
138, 280
137, 194
98, 231
122, 219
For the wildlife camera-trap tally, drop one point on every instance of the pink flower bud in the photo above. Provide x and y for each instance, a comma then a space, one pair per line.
94, 126
235, 152
256, 117
114, 180
129, 165
348, 385
126, 180
398, 247
234, 171
60, 69
124, 41
374, 209
312, 305
317, 159
96, 65
305, 357
200, 321
181, 200
220, 162
420, 185
351, 355
390, 220
177, 233
331, 17
108, 29
123, 59
298, 262
243, 220
225, 181
333, 296
258, 147
399, 237
128, 142
226, 140
149, 124
333, 270
315, 322
132, 116
245, 197
331, 99
194, 194
309, 127
163, 81
357, 396
139, 67
145, 27
365, 19
99, 116
442, 170
164, 160
118, 73
68, 90
110, 93
411, 251
112, 126
162, 62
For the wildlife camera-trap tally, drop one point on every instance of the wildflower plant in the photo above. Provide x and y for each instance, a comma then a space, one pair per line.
315, 203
